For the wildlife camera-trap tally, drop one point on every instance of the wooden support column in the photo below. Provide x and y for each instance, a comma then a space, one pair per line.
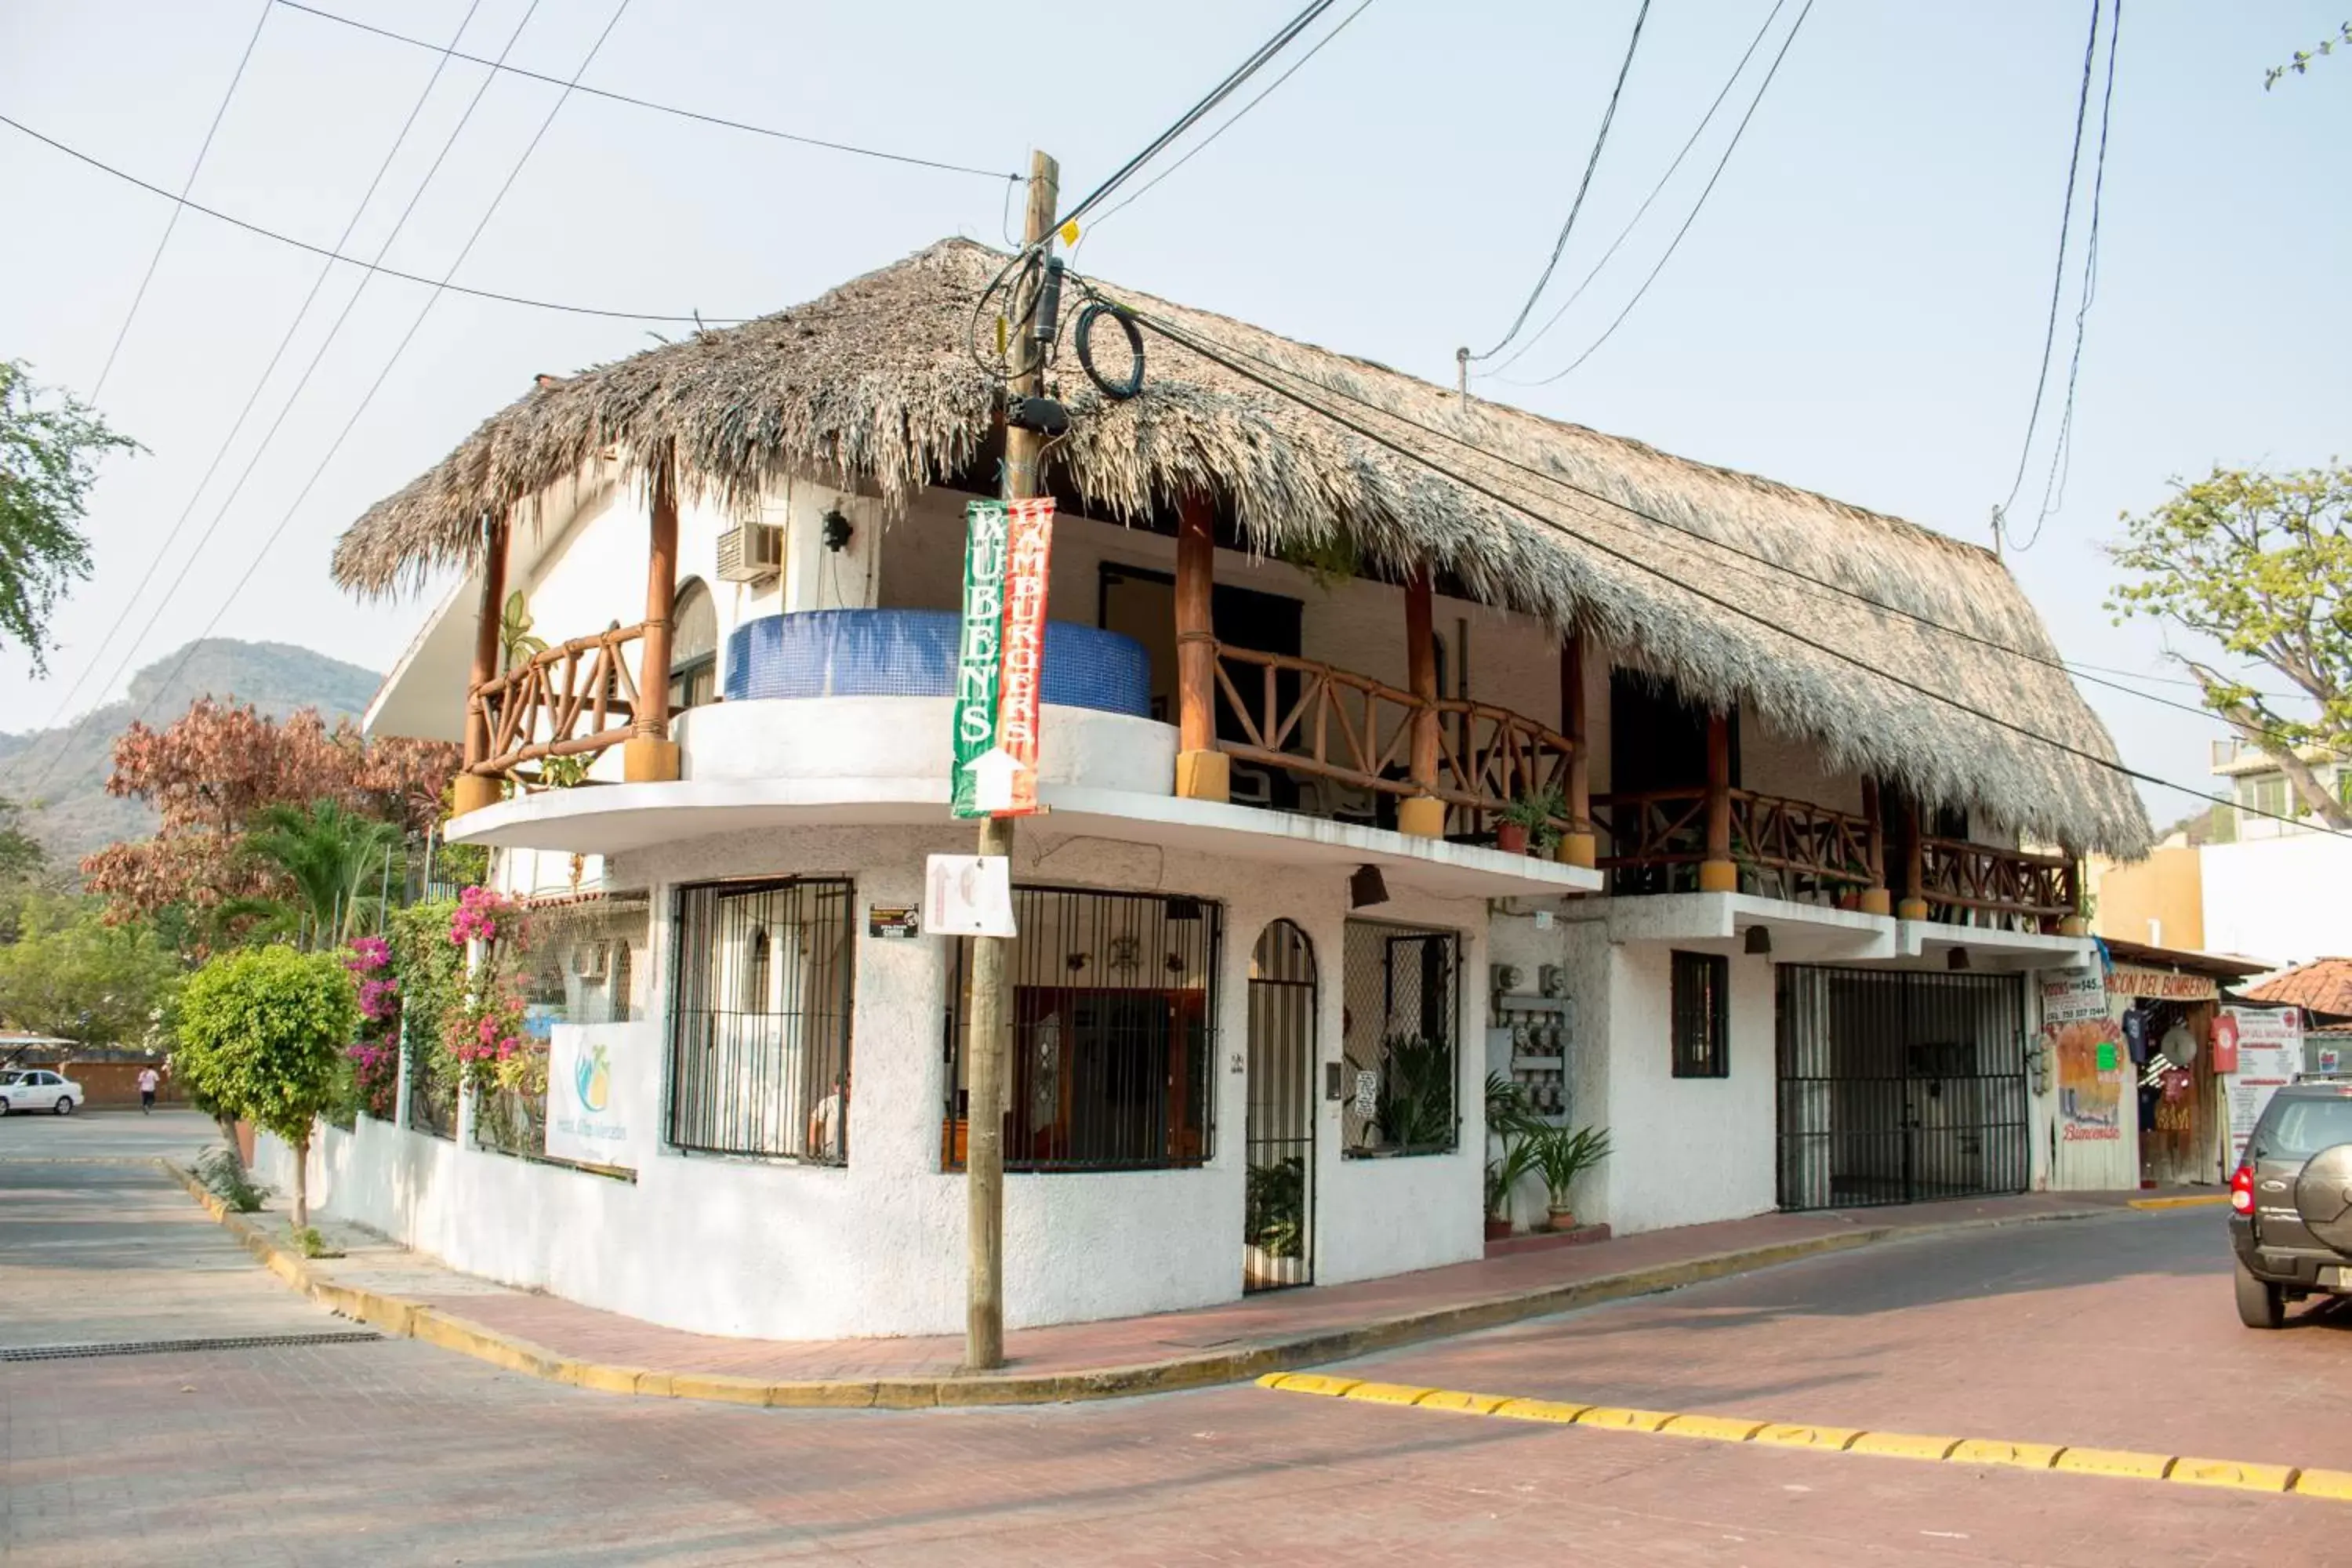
1718, 873
1914, 906
474, 791
1875, 899
649, 755
1202, 772
1579, 846
2070, 881
1422, 814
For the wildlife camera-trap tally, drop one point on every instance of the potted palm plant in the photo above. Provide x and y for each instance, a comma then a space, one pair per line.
1559, 1155
1510, 1118
1527, 822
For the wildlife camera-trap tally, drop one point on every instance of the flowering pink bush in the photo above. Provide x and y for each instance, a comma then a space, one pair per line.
484, 914
376, 1054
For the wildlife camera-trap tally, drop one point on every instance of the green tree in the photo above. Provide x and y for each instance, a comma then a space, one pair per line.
334, 860
262, 1039
49, 451
2262, 565
69, 974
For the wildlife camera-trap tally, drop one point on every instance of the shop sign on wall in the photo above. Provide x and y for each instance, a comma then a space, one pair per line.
2160, 984
2081, 1034
2269, 1053
585, 1121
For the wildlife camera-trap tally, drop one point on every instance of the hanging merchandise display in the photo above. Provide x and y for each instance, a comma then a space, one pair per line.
1001, 659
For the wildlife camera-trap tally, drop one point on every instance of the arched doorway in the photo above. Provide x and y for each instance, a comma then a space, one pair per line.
1278, 1228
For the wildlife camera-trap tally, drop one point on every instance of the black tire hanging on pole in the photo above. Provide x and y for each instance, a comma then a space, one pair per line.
1117, 391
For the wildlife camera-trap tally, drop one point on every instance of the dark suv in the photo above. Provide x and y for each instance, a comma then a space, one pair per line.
2291, 1203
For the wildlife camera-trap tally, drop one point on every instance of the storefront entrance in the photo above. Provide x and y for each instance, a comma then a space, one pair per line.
1898, 1086
1277, 1229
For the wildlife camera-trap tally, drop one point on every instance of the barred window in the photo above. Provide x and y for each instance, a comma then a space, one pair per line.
1702, 1015
1113, 1034
1401, 1040
760, 1034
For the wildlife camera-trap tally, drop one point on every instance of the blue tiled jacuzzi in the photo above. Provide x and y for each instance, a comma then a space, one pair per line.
912, 653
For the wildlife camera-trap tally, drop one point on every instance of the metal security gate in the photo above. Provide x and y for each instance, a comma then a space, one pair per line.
1278, 1225
1895, 1087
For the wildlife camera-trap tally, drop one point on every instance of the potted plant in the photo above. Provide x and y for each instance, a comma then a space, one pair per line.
1412, 1105
1527, 822
1509, 1116
1560, 1154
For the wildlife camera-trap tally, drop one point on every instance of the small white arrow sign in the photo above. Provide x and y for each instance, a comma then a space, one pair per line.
993, 774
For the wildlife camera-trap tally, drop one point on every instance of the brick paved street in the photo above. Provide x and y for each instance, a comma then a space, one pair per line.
2110, 1330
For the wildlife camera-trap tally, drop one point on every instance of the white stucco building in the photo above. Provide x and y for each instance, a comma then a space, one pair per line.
1271, 942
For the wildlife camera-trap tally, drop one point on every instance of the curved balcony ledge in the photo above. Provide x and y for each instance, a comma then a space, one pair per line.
883, 762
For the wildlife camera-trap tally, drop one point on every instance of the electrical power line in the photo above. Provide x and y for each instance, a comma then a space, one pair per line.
1203, 145
1818, 587
335, 254
1721, 164
294, 398
1216, 95
1655, 190
400, 348
139, 296
157, 556
1189, 340
2061, 454
2058, 269
659, 108
1583, 186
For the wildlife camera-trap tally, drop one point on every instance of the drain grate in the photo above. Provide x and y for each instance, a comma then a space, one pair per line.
161, 1347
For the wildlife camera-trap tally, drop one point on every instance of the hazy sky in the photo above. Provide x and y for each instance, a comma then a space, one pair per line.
1858, 309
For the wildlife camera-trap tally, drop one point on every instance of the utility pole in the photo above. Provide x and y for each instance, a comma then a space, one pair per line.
983, 1162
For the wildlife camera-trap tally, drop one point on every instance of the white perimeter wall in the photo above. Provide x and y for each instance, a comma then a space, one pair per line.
771, 1250
2280, 900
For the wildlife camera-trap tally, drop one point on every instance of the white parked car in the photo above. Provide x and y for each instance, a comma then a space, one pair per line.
37, 1089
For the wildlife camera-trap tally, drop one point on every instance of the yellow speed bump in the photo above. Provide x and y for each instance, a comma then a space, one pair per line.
1468, 1404
2230, 1473
2336, 1484
1625, 1420
1903, 1446
1721, 1428
1990, 1451
1539, 1410
1787, 1436
2113, 1462
1308, 1383
1389, 1393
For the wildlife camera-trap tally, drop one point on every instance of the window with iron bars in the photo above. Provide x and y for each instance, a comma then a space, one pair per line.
1113, 1033
1700, 989
759, 1061
1403, 1041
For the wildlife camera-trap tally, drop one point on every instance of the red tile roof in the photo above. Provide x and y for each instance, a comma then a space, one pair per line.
2324, 985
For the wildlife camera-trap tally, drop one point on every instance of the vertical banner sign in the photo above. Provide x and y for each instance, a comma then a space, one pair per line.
1028, 553
981, 653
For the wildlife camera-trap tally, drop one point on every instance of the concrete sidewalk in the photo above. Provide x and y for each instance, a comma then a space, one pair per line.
406, 1292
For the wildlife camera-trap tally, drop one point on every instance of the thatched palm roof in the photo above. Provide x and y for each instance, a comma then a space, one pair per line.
873, 383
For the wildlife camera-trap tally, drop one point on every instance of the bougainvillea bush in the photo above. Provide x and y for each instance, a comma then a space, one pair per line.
376, 1054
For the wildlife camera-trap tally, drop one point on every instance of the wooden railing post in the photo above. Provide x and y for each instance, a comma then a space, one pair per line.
1202, 772
1914, 906
1718, 873
473, 791
1876, 899
2074, 921
1422, 814
649, 755
1579, 846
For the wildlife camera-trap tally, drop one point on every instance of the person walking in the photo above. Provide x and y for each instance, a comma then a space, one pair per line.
149, 1082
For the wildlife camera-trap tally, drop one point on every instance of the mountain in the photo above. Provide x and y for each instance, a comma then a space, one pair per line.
59, 774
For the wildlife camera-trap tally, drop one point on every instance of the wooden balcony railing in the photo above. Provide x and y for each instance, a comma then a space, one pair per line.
573, 700
1656, 831
1314, 721
1976, 884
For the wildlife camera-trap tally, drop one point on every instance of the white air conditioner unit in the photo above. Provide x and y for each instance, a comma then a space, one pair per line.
750, 552
588, 960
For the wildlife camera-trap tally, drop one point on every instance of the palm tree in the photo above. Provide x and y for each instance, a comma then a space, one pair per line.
334, 857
